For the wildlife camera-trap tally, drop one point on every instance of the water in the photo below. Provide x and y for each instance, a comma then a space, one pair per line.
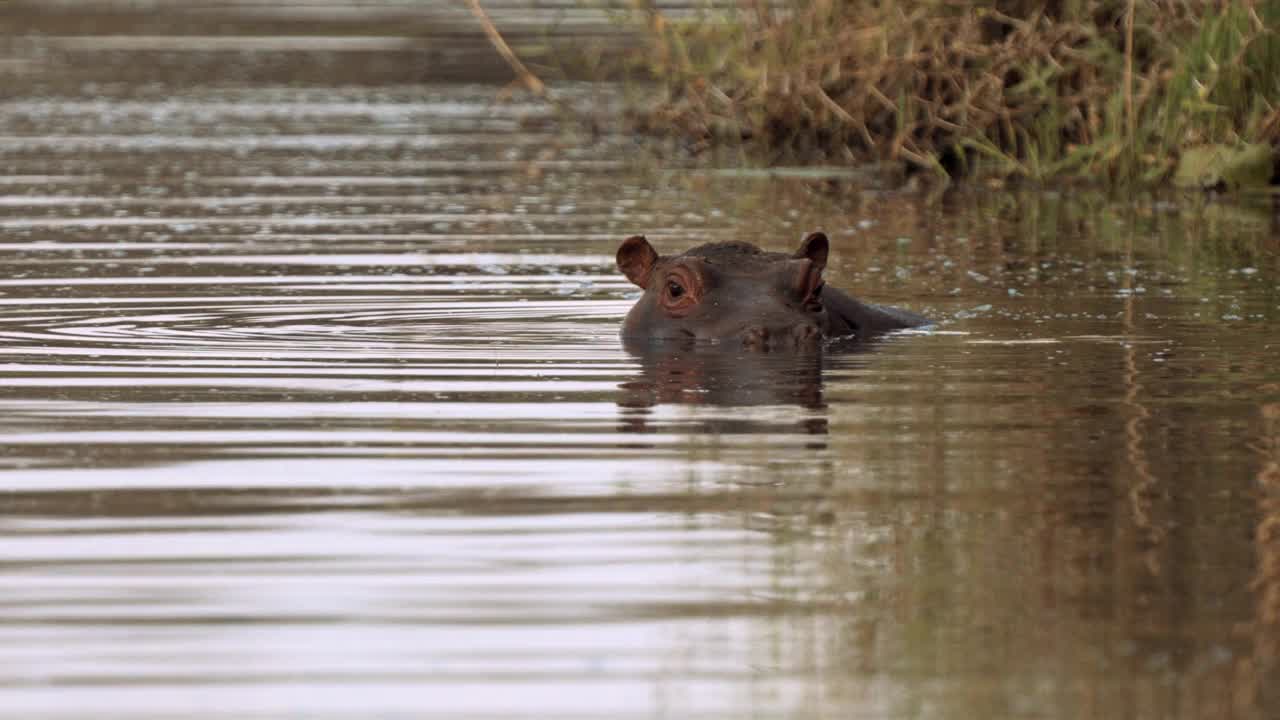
312, 405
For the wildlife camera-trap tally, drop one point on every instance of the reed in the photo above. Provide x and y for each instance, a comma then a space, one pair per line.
531, 82
1072, 88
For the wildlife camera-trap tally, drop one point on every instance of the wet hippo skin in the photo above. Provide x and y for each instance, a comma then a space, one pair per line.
734, 292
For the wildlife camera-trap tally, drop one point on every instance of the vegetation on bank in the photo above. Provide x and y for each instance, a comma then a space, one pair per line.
1116, 90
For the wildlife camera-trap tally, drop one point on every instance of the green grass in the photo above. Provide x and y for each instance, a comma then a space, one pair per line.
1087, 89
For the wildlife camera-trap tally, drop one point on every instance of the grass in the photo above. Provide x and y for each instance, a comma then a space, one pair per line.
1072, 88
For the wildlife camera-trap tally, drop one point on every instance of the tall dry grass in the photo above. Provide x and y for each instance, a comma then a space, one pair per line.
1037, 90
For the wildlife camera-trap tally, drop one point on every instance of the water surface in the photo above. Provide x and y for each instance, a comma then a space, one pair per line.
312, 405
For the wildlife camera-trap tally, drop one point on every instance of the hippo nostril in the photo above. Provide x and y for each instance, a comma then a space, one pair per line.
755, 337
806, 334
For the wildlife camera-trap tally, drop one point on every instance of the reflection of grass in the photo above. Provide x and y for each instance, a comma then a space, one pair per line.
1203, 234
1266, 583
1088, 88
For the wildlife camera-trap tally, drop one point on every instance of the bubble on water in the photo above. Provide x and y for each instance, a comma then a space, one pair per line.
973, 312
573, 288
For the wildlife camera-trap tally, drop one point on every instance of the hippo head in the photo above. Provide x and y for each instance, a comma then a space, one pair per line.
729, 292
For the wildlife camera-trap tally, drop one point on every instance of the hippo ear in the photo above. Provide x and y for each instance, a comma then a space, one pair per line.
814, 247
636, 259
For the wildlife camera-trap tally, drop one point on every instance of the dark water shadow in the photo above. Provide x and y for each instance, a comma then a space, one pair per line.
707, 375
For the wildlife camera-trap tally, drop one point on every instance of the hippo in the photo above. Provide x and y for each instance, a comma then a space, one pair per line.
734, 292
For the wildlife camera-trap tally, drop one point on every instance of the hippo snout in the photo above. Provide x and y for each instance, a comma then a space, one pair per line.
759, 337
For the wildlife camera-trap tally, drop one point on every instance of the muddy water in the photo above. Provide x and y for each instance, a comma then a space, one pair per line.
312, 405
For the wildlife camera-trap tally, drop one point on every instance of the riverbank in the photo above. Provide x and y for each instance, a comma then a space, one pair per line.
1111, 92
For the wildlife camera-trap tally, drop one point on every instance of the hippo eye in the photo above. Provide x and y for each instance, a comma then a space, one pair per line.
681, 291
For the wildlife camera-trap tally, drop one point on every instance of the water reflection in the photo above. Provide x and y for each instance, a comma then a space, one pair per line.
1257, 670
338, 424
713, 375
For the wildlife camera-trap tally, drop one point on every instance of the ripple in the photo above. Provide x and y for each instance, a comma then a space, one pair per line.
312, 404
